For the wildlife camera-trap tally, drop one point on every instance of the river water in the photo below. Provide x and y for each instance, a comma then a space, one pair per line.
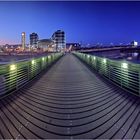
117, 55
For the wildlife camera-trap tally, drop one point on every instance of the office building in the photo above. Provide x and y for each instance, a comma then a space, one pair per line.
33, 39
59, 39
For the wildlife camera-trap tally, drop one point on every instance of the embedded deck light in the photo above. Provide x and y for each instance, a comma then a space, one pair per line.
43, 58
124, 65
33, 62
104, 60
12, 67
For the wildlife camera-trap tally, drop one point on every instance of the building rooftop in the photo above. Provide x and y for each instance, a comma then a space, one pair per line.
45, 40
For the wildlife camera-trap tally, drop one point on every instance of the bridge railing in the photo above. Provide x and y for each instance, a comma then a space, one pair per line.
15, 75
123, 73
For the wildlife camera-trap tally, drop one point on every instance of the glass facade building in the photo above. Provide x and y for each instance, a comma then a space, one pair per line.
34, 39
59, 39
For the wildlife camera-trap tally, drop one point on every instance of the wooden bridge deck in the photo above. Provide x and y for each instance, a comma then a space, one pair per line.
70, 101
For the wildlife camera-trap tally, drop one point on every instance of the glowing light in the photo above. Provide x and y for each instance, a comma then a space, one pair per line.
88, 56
49, 57
43, 58
94, 57
135, 43
33, 61
12, 67
104, 60
124, 65
135, 54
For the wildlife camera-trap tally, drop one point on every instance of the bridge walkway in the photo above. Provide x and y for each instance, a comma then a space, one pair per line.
70, 101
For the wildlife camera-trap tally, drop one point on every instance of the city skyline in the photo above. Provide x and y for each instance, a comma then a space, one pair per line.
84, 22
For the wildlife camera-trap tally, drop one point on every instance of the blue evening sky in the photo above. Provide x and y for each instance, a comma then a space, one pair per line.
86, 22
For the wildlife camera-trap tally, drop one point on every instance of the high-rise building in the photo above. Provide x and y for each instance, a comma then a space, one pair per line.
33, 39
59, 39
23, 40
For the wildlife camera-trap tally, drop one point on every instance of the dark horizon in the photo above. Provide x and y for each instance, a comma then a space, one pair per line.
84, 22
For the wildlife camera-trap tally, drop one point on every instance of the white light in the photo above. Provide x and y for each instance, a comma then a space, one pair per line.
135, 43
33, 61
49, 56
104, 60
124, 65
88, 56
94, 57
12, 67
43, 58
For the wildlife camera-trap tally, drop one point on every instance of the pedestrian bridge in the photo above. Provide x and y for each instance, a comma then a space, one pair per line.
66, 101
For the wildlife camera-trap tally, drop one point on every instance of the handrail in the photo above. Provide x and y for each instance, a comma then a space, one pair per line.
13, 76
123, 73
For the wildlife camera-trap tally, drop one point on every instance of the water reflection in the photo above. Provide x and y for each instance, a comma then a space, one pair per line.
131, 56
117, 55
